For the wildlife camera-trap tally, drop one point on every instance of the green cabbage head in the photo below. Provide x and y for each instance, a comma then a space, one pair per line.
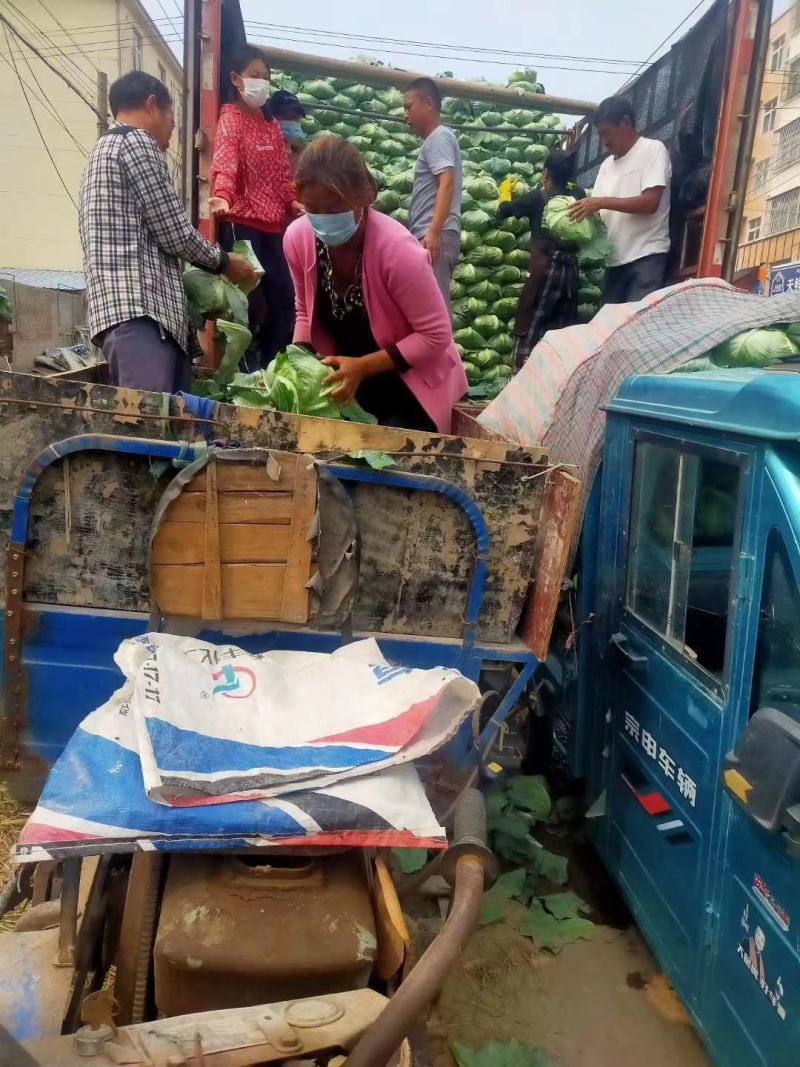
558, 222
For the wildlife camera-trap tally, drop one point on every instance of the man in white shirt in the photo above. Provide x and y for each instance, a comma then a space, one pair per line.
632, 195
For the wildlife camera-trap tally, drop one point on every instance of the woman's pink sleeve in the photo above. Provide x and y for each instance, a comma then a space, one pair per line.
294, 257
413, 285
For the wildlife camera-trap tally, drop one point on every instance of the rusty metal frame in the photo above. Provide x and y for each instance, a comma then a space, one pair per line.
724, 202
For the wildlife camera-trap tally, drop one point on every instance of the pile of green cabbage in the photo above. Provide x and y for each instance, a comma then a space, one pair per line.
753, 348
494, 264
293, 382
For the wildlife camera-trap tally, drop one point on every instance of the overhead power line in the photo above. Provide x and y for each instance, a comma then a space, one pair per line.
98, 28
666, 40
42, 138
27, 25
41, 97
433, 55
64, 30
100, 46
78, 92
170, 20
260, 24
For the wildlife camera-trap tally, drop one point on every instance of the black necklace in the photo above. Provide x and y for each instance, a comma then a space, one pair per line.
352, 297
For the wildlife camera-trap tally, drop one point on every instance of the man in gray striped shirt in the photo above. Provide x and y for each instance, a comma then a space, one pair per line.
435, 210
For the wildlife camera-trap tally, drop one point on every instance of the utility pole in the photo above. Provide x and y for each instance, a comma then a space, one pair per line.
102, 103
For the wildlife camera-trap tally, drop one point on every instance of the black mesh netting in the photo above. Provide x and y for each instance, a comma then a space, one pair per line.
676, 100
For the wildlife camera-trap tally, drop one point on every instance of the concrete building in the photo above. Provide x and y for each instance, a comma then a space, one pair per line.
52, 53
771, 221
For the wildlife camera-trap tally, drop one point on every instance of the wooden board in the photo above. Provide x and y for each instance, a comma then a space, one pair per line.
294, 604
89, 531
198, 560
247, 590
185, 542
465, 422
260, 508
212, 605
559, 516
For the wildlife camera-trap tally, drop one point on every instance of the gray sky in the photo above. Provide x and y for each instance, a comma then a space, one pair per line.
614, 30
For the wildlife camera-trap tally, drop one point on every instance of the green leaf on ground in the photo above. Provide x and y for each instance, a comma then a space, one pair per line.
410, 860
510, 825
501, 1054
566, 905
515, 849
511, 884
508, 886
550, 866
493, 907
552, 934
531, 794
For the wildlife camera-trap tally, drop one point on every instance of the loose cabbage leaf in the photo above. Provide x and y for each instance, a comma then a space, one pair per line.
245, 249
235, 342
211, 296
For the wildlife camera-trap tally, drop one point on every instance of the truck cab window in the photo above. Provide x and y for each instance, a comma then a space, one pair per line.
776, 681
684, 527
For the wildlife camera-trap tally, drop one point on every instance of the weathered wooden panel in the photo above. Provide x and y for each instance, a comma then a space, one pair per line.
559, 516
251, 590
254, 507
184, 542
91, 514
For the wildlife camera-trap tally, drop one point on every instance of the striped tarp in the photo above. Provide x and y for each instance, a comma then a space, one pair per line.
557, 399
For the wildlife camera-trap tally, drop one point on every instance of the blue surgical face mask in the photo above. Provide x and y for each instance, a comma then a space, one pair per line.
335, 230
292, 131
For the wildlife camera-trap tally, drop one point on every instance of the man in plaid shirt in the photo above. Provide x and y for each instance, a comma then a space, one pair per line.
135, 233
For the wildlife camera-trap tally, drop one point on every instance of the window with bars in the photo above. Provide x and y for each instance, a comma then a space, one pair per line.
137, 49
753, 229
788, 150
770, 112
783, 212
778, 57
793, 79
760, 173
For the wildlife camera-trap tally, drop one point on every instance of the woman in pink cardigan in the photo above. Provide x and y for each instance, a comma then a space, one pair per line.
366, 297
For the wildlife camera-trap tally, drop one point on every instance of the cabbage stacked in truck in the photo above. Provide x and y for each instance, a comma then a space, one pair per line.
496, 141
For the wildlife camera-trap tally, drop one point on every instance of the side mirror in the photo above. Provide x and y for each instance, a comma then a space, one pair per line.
763, 773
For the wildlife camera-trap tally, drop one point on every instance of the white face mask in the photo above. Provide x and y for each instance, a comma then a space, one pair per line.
255, 92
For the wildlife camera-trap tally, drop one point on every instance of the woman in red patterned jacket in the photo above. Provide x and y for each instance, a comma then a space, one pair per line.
252, 193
